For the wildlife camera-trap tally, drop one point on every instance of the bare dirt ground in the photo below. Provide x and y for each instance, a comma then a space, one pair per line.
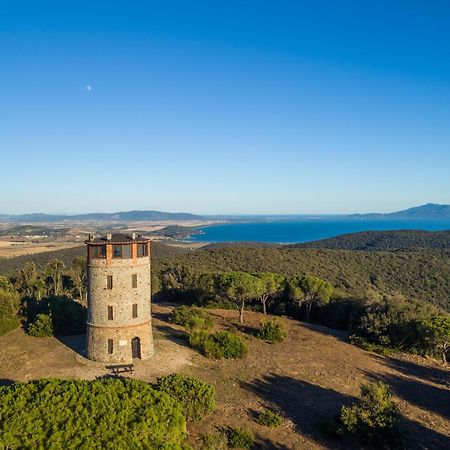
307, 378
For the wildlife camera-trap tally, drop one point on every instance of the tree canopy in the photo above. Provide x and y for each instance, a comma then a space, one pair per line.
239, 287
100, 414
309, 290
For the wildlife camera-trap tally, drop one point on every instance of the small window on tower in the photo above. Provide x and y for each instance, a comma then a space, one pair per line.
135, 311
110, 346
134, 280
109, 282
110, 313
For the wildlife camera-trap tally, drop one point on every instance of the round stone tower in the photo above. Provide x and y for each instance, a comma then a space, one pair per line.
118, 299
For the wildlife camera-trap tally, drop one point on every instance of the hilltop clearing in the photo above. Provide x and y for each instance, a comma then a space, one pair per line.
306, 378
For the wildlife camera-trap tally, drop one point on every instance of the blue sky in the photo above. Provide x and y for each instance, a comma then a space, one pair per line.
225, 106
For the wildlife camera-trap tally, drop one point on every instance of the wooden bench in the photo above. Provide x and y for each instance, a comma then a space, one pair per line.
121, 368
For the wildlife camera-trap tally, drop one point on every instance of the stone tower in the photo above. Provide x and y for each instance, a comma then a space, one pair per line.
119, 316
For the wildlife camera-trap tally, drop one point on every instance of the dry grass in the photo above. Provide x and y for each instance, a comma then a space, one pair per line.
10, 249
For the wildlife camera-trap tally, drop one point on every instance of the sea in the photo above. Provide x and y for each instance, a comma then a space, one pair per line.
297, 230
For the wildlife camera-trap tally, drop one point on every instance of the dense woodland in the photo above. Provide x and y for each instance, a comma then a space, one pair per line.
385, 241
392, 299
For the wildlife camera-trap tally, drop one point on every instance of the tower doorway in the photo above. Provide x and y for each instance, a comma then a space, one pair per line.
136, 348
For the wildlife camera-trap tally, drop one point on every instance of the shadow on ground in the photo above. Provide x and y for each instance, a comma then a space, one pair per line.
77, 343
173, 334
338, 334
426, 373
308, 405
162, 316
423, 395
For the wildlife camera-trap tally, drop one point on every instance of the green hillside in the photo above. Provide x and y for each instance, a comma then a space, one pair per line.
417, 274
422, 275
384, 241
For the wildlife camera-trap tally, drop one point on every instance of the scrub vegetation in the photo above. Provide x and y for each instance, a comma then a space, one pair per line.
76, 414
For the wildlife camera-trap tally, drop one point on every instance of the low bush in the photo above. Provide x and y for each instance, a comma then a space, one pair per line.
269, 418
374, 417
370, 346
183, 315
196, 397
42, 326
215, 440
271, 330
223, 345
86, 415
197, 323
240, 438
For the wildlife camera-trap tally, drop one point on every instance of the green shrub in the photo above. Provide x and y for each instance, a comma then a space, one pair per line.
370, 346
9, 309
215, 440
269, 418
196, 397
374, 417
223, 345
183, 315
240, 438
85, 415
197, 323
42, 326
271, 331
68, 316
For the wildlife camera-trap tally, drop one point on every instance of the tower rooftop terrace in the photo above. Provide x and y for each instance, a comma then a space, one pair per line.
117, 238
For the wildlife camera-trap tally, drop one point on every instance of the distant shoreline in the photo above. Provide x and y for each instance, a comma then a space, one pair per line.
306, 230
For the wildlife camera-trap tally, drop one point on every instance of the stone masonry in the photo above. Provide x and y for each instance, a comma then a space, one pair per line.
119, 299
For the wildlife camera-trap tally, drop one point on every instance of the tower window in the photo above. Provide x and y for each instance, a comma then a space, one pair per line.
110, 313
109, 282
126, 251
142, 250
117, 251
97, 251
135, 310
134, 280
110, 346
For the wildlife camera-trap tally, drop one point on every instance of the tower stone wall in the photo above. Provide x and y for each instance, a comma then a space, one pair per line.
119, 299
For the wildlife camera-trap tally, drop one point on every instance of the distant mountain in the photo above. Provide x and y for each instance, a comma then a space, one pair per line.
126, 216
384, 241
428, 211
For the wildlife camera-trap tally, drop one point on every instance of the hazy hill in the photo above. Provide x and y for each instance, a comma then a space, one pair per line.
384, 241
428, 211
117, 216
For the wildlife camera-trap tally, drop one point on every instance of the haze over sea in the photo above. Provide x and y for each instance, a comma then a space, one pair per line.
296, 230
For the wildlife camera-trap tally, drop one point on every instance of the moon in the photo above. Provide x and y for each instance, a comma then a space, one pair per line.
88, 87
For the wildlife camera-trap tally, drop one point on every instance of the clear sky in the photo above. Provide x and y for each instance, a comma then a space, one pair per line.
224, 106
